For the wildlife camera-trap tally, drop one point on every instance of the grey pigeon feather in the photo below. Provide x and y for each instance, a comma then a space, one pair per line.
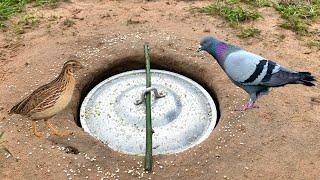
251, 72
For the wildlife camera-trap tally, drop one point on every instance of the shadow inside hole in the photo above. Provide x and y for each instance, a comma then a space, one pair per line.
136, 63
71, 150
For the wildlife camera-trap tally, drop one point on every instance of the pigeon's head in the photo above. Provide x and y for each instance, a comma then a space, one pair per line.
206, 43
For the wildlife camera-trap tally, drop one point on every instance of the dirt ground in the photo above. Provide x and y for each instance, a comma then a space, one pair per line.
281, 140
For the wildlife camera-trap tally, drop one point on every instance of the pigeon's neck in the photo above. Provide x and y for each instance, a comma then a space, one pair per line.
220, 50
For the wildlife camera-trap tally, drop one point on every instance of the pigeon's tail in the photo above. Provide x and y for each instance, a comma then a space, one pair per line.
306, 78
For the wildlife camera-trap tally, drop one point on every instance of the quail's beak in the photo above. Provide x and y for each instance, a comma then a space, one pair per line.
80, 66
199, 49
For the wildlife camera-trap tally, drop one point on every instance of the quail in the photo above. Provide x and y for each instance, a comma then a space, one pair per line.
49, 99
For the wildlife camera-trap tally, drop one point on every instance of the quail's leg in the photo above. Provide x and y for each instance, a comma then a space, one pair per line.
35, 130
55, 131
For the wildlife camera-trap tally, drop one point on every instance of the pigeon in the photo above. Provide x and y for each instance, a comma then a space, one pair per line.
253, 73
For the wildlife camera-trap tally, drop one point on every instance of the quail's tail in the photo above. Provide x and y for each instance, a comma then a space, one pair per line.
14, 109
17, 108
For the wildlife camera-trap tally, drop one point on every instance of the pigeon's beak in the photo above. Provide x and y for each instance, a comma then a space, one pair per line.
199, 49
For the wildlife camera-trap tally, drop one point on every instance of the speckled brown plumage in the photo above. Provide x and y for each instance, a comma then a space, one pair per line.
50, 99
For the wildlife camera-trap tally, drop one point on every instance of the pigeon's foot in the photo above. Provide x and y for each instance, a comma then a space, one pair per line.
247, 106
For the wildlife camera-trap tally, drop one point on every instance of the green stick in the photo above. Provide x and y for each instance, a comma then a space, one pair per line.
148, 156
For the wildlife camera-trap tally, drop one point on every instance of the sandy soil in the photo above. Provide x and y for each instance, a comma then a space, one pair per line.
281, 140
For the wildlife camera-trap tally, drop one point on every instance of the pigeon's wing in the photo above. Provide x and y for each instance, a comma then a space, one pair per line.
285, 76
254, 70
248, 69
245, 67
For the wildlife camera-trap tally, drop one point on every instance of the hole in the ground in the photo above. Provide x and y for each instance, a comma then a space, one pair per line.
136, 63
71, 150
